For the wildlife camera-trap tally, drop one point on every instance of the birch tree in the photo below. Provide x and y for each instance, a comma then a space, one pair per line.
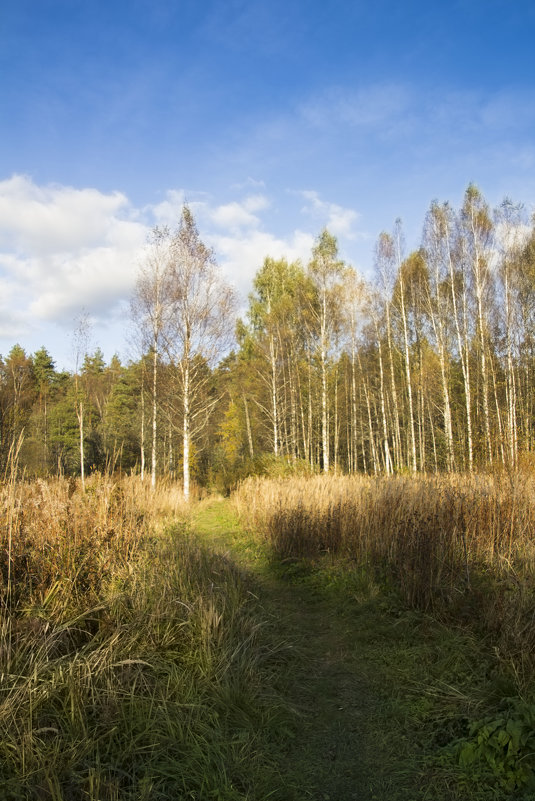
402, 302
385, 267
151, 311
200, 328
476, 231
439, 309
511, 230
80, 346
326, 271
274, 340
447, 228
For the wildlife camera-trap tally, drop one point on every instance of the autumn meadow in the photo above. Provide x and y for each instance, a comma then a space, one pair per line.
369, 444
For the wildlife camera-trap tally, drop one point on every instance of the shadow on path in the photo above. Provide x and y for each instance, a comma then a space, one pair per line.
338, 753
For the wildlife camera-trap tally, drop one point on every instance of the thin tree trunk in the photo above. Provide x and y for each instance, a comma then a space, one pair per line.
432, 428
186, 433
248, 426
477, 268
274, 409
414, 465
498, 415
462, 342
154, 411
398, 452
439, 324
362, 443
324, 421
354, 439
81, 430
142, 437
293, 410
310, 418
336, 432
370, 424
510, 385
386, 447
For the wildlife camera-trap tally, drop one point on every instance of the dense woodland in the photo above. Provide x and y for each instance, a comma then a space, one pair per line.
428, 367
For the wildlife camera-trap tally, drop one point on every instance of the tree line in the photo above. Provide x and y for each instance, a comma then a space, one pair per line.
426, 366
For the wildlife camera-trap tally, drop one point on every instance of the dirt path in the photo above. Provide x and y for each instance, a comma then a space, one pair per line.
333, 680
329, 687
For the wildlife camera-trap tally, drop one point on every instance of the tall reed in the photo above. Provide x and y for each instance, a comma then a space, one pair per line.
128, 663
460, 545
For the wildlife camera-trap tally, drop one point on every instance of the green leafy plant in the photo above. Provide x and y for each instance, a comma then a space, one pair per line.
502, 748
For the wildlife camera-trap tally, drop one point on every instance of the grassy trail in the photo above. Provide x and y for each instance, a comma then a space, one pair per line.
353, 672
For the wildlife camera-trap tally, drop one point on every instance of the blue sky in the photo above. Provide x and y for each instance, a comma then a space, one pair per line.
271, 118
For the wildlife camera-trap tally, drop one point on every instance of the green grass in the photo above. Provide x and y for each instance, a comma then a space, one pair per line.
387, 699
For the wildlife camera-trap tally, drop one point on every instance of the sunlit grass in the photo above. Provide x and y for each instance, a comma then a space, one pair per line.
459, 546
129, 665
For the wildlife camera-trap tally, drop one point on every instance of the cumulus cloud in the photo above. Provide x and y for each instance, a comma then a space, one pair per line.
65, 250
236, 232
62, 249
53, 219
241, 256
167, 212
339, 220
234, 216
238, 215
12, 319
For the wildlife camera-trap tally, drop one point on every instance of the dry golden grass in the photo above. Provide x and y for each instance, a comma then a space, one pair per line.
463, 546
128, 657
51, 531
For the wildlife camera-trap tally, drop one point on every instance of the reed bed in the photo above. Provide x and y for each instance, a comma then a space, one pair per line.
55, 536
129, 667
459, 545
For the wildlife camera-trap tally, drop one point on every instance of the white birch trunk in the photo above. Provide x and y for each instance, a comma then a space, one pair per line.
462, 343
81, 431
248, 426
324, 420
398, 452
154, 413
186, 432
414, 465
142, 433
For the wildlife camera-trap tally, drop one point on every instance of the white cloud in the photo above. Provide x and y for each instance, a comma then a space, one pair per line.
233, 216
167, 212
238, 215
65, 250
256, 203
339, 220
236, 232
53, 219
241, 257
62, 249
12, 320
